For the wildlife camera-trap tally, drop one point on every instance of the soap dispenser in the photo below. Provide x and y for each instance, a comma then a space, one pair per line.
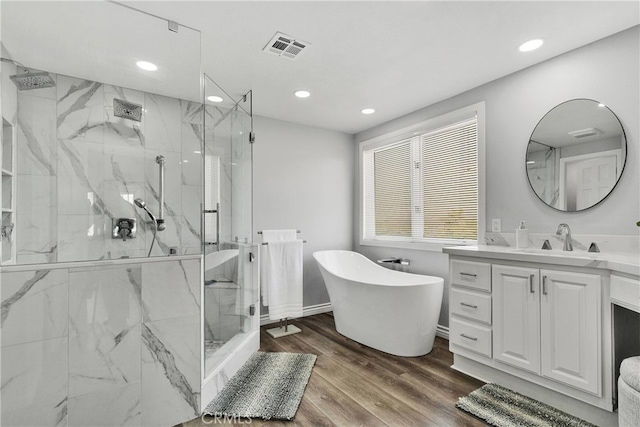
522, 236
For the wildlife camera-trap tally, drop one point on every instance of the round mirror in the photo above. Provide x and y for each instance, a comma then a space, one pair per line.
576, 155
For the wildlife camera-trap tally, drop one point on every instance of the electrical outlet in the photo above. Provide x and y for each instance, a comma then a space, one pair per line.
496, 225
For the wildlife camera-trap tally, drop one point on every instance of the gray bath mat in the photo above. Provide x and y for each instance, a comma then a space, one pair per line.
502, 407
268, 386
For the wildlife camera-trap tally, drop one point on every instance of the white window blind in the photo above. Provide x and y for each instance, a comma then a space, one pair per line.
450, 182
423, 188
392, 190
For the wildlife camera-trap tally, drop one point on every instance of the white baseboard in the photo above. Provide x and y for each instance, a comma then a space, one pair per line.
306, 311
443, 332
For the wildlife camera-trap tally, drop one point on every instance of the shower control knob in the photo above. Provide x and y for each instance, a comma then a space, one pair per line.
124, 228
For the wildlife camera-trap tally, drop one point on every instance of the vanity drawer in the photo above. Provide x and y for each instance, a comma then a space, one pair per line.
471, 274
625, 292
470, 336
472, 305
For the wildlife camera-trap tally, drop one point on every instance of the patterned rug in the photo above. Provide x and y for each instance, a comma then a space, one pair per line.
268, 386
501, 407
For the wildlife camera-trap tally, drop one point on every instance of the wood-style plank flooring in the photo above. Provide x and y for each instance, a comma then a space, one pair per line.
354, 385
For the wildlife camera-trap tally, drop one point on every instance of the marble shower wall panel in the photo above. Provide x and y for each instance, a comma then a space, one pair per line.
163, 123
171, 342
171, 290
80, 109
104, 328
104, 345
35, 383
80, 167
36, 180
191, 168
171, 354
116, 406
36, 219
36, 142
192, 142
190, 237
38, 299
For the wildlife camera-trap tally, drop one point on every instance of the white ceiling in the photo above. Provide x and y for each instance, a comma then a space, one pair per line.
393, 56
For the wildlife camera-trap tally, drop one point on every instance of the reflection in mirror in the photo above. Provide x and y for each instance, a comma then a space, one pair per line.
576, 155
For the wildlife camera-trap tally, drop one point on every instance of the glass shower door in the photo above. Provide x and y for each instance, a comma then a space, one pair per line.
230, 270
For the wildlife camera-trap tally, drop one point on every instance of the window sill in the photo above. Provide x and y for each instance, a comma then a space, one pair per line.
419, 246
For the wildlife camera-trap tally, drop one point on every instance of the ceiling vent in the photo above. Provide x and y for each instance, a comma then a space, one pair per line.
286, 46
584, 133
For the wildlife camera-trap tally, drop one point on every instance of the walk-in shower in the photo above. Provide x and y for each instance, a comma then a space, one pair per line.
101, 252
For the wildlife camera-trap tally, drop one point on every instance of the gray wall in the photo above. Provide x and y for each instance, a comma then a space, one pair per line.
303, 179
607, 71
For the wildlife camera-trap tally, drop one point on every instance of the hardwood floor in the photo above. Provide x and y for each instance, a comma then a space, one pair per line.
354, 385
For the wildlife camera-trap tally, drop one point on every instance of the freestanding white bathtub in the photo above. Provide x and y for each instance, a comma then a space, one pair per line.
388, 310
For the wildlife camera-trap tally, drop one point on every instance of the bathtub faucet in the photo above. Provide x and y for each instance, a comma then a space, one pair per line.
401, 261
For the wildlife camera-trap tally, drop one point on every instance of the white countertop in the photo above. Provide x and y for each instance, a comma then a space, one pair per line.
616, 262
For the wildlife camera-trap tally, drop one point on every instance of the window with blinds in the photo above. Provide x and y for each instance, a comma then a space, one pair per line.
424, 188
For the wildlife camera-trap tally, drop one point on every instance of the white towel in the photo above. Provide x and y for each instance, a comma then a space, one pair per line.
271, 236
282, 276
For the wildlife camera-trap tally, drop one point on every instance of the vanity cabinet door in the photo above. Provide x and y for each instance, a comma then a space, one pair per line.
516, 316
570, 334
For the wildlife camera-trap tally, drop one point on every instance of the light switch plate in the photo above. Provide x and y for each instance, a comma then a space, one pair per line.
496, 225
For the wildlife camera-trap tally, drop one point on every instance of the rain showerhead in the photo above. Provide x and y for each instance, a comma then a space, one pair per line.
30, 81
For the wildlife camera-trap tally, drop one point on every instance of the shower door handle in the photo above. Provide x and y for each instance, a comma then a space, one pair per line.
218, 226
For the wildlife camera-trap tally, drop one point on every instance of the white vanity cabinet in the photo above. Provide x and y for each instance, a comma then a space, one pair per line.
535, 323
548, 322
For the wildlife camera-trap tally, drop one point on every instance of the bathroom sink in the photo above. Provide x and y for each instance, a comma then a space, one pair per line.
216, 258
551, 252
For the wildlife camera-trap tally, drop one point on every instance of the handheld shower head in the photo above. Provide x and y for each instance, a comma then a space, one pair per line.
142, 205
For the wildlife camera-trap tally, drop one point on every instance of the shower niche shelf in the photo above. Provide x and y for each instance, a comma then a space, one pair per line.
8, 193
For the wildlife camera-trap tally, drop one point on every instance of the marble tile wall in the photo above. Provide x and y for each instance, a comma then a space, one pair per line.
79, 167
101, 345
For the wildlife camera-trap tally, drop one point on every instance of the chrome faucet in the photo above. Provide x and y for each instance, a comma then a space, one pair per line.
564, 229
394, 260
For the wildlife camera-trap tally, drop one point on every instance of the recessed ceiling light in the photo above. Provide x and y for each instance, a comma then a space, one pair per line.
368, 111
147, 66
214, 98
530, 45
302, 94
